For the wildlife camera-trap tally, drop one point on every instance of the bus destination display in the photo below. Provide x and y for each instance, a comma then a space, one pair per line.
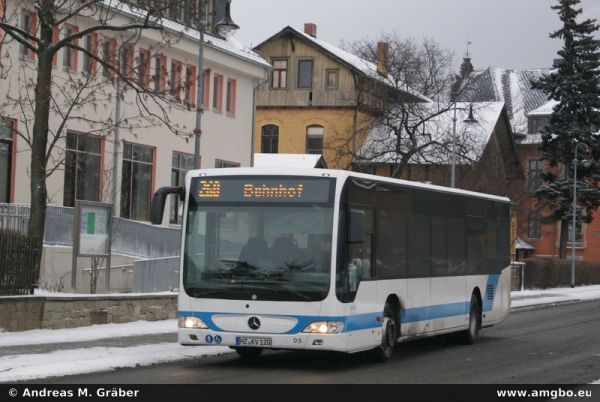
234, 189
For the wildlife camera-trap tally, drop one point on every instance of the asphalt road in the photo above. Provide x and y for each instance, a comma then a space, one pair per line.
555, 345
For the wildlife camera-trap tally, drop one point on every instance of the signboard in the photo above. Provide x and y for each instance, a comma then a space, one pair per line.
262, 189
93, 227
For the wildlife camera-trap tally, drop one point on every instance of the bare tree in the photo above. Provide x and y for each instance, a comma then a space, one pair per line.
414, 88
46, 99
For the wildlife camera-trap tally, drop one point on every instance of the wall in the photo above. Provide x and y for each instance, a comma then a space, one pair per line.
27, 313
219, 128
295, 49
548, 243
338, 128
55, 272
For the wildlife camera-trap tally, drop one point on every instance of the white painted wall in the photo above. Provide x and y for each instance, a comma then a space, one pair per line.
224, 137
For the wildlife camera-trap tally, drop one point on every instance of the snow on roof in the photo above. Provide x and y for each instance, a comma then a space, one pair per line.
472, 138
544, 110
288, 160
513, 87
530, 139
365, 66
231, 45
523, 245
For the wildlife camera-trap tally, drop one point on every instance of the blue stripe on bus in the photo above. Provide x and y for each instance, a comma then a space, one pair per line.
368, 321
492, 283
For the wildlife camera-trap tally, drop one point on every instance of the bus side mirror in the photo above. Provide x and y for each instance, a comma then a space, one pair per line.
158, 202
356, 232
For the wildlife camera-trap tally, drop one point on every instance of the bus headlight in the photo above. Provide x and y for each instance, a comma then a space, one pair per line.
192, 323
324, 327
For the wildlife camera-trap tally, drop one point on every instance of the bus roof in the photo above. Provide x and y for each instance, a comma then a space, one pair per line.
341, 174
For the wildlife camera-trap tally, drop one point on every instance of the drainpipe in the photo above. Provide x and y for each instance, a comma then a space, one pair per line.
253, 141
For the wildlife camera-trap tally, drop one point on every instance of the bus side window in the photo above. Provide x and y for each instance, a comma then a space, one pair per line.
359, 262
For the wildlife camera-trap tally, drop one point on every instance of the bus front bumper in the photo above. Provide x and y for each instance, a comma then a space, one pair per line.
343, 342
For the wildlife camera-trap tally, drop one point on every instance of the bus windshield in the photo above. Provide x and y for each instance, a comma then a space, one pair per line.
259, 238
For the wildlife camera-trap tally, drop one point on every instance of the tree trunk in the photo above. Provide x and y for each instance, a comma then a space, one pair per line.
37, 217
564, 238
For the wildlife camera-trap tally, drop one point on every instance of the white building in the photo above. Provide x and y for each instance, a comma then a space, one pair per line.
147, 156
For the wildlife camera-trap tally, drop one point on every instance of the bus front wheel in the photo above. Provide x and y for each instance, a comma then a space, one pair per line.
470, 335
385, 350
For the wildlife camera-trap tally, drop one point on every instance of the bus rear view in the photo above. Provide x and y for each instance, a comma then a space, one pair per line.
296, 261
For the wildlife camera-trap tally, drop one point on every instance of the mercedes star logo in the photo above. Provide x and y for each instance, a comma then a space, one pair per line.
254, 323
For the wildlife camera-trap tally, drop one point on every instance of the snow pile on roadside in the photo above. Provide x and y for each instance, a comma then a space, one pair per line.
534, 297
89, 360
85, 334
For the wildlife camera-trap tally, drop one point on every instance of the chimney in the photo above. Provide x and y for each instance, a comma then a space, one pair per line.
383, 55
310, 29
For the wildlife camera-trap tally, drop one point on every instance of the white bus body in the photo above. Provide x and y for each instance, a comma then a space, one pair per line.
237, 303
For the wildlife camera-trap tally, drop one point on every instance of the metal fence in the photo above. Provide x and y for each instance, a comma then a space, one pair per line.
18, 263
517, 277
156, 275
129, 237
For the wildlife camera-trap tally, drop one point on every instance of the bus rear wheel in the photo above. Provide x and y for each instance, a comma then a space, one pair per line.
248, 353
470, 335
385, 350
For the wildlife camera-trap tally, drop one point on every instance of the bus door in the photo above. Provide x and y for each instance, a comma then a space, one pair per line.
418, 314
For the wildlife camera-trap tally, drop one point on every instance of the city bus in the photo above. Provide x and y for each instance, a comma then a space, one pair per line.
313, 259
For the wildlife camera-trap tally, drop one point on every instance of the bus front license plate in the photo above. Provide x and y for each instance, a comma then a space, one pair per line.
253, 341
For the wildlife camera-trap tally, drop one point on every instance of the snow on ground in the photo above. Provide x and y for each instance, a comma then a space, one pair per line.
84, 334
89, 360
535, 297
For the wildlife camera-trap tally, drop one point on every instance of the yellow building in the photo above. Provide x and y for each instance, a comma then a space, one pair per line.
310, 104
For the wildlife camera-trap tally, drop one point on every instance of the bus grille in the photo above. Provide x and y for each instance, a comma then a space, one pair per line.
490, 292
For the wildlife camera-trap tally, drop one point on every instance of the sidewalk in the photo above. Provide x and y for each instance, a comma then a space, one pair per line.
44, 353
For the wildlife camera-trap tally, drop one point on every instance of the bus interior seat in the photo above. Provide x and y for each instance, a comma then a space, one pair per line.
255, 251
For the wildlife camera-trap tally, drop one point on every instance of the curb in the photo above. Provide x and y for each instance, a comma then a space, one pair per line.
550, 304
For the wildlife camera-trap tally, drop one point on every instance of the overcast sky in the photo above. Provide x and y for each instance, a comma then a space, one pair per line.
504, 33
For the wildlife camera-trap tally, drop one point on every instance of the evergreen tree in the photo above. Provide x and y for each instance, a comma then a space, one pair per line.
575, 120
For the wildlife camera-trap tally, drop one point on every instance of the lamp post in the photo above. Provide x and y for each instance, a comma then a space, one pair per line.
574, 213
469, 120
226, 28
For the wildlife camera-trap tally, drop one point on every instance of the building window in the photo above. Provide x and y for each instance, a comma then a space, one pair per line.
82, 168
314, 140
218, 93
206, 89
6, 159
143, 72
28, 24
136, 182
269, 139
578, 234
535, 168
160, 73
190, 85
225, 164
90, 44
70, 54
175, 81
280, 73
109, 56
231, 95
182, 163
332, 79
305, 72
534, 227
127, 56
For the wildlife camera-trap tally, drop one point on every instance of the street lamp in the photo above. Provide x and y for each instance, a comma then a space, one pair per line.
469, 120
574, 218
226, 28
